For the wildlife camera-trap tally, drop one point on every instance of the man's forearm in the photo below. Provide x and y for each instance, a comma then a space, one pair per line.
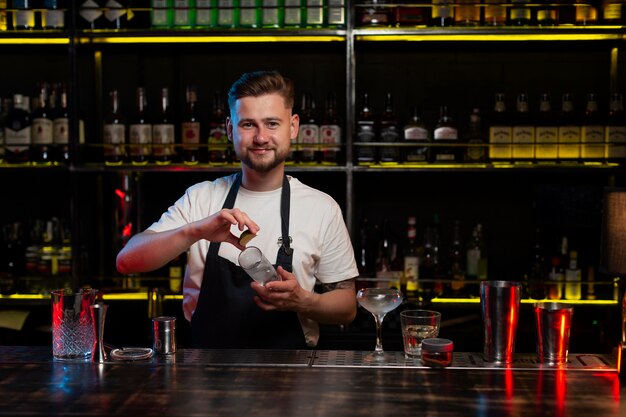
334, 307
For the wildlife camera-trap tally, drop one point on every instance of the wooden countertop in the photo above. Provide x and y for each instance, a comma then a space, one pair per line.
294, 383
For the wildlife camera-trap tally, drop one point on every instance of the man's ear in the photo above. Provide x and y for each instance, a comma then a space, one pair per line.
229, 129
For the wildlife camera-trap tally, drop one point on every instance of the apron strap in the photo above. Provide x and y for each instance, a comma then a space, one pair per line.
285, 252
229, 203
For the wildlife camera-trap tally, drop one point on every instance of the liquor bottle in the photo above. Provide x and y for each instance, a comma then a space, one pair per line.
520, 13
272, 14
115, 15
164, 132
336, 14
295, 13
61, 128
476, 256
23, 15
218, 139
569, 131
428, 266
556, 276
91, 16
612, 12
547, 14
190, 129
365, 250
523, 132
5, 105
546, 131
162, 14
3, 19
370, 13
616, 128
206, 14
586, 13
41, 134
17, 132
184, 14
389, 133
445, 133
314, 13
495, 13
330, 133
500, 135
250, 15
593, 147
416, 132
387, 267
140, 130
467, 13
476, 139
53, 15
366, 133
573, 277
309, 134
114, 135
442, 13
227, 14
456, 262
536, 278
411, 261
407, 14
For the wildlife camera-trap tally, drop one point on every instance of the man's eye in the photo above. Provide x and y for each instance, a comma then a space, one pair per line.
272, 125
246, 125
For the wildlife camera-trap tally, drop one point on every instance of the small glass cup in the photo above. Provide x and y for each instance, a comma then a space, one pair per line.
418, 325
252, 260
72, 324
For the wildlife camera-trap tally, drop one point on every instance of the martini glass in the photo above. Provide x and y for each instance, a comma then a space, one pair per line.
379, 302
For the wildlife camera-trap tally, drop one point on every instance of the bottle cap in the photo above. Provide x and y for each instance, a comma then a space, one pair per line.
435, 344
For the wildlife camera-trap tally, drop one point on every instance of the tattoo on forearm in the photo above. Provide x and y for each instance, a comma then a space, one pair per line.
347, 284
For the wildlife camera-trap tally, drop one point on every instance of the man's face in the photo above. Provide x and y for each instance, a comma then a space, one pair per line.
261, 129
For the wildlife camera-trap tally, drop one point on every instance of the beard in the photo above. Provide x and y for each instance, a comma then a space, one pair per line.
266, 163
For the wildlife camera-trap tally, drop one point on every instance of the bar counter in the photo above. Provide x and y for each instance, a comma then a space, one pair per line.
198, 382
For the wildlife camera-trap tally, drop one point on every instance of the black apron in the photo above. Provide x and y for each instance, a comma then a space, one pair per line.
226, 316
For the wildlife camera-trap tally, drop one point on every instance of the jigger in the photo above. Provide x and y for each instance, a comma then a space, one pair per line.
98, 314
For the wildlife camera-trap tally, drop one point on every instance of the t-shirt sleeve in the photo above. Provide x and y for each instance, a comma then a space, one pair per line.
176, 215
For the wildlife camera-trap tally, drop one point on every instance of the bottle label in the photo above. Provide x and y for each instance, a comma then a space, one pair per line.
522, 14
203, 12
114, 134
389, 134
53, 18
415, 133
42, 131
160, 13
182, 13
308, 140
314, 12
191, 134
89, 11
293, 15
24, 18
225, 13
442, 12
365, 133
330, 135
446, 133
270, 13
500, 138
115, 10
218, 139
248, 13
593, 142
60, 128
473, 255
17, 140
616, 139
546, 15
411, 269
523, 138
569, 142
336, 12
163, 135
546, 138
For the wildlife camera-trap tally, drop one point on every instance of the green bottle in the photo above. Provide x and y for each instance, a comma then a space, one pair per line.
184, 14
162, 15
249, 13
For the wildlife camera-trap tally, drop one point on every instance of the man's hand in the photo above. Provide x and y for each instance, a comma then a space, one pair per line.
283, 295
216, 227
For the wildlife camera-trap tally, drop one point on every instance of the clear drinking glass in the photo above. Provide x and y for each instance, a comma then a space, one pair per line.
379, 302
72, 325
418, 325
252, 260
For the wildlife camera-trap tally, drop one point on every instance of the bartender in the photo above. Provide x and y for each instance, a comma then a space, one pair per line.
297, 227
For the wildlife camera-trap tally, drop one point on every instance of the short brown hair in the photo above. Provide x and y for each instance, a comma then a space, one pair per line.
259, 83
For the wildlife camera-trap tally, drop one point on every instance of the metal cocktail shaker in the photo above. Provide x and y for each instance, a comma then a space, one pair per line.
500, 302
164, 335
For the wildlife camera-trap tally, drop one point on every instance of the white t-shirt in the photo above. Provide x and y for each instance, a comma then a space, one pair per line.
320, 240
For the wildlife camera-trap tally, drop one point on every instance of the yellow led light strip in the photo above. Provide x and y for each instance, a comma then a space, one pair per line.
34, 41
211, 39
493, 37
525, 301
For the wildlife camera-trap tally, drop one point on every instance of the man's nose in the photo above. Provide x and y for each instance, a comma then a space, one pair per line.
262, 135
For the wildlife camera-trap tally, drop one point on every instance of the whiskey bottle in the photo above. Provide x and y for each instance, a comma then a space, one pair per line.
206, 14
547, 14
249, 14
330, 133
616, 128
163, 132
445, 133
23, 15
592, 132
370, 13
416, 133
17, 132
586, 13
389, 133
53, 14
162, 14
612, 13
218, 139
190, 129
520, 13
336, 14
41, 135
184, 14
114, 135
569, 131
314, 13
442, 13
456, 264
407, 14
495, 13
411, 261
140, 131
476, 139
91, 16
365, 133
295, 13
61, 127
546, 131
573, 277
500, 132
523, 132
227, 13
467, 13
309, 134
